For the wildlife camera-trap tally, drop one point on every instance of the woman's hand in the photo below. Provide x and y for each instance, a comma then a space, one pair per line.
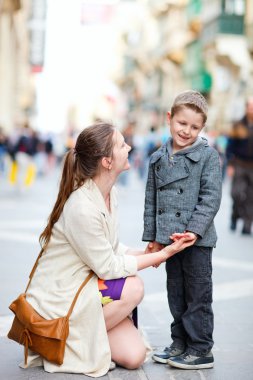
190, 236
180, 243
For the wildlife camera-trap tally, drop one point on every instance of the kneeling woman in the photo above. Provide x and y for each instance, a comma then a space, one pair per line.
81, 235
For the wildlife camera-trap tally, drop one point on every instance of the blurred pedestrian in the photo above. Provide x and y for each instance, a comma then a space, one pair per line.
152, 142
26, 150
3, 150
183, 194
81, 235
220, 144
50, 154
240, 167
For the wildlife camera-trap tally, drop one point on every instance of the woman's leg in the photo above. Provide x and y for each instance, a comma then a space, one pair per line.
127, 345
131, 296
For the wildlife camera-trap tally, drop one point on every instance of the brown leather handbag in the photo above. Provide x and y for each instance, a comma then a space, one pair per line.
46, 337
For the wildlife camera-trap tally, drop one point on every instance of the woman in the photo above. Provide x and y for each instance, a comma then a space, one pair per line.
81, 234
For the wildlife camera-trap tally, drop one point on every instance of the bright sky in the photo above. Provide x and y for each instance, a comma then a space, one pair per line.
77, 61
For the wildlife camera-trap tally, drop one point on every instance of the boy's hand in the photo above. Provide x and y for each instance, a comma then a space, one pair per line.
153, 246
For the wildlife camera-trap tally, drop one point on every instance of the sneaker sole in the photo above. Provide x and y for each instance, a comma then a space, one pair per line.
190, 366
159, 360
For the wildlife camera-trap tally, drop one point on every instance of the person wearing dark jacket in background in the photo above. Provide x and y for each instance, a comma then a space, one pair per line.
240, 166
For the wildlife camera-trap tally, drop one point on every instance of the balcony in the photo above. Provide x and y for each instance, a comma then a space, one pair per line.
249, 34
231, 24
223, 24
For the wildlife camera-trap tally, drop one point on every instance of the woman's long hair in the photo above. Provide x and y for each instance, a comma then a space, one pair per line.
81, 163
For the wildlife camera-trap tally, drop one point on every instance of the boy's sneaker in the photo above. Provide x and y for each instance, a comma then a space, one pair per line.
187, 361
168, 352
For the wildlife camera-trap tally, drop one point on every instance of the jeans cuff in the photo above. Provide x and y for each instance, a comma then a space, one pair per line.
178, 344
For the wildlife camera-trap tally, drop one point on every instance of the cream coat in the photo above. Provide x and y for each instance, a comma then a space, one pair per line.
84, 237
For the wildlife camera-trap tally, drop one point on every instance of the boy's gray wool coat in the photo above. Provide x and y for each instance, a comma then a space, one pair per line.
183, 192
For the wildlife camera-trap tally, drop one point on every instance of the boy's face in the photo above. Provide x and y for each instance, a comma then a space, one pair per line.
185, 127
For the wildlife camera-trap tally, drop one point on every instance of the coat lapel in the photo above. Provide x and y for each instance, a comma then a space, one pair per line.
164, 165
166, 173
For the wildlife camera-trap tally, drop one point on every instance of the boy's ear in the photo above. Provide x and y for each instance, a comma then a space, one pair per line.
168, 117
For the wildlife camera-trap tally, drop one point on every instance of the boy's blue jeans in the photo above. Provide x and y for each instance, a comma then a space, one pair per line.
189, 287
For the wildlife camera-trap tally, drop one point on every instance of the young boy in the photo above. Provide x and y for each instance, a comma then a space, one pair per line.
183, 193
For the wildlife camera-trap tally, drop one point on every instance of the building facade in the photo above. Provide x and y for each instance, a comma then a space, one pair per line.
16, 89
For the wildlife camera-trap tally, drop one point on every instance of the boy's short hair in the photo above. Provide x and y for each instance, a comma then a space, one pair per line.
191, 97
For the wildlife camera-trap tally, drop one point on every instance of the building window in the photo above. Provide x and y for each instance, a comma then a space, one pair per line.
234, 7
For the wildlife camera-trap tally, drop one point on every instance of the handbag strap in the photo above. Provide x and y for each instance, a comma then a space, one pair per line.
33, 269
78, 292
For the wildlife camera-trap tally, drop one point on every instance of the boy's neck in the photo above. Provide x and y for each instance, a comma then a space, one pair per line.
185, 148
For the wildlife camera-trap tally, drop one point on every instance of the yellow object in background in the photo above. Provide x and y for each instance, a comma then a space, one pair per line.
13, 172
30, 174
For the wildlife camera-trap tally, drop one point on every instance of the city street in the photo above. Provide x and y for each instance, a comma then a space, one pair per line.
23, 215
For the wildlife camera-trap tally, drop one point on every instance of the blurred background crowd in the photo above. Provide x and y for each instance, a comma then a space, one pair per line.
67, 63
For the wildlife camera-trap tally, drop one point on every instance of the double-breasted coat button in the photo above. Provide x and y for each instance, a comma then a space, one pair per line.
178, 214
158, 168
180, 191
160, 211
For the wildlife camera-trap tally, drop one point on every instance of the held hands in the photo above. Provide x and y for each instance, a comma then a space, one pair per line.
154, 246
181, 241
190, 236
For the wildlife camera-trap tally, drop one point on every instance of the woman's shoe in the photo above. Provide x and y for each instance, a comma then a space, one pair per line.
112, 366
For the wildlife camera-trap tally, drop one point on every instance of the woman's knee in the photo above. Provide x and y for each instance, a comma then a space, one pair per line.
138, 289
135, 289
134, 360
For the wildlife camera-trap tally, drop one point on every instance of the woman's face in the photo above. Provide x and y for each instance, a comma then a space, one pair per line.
120, 153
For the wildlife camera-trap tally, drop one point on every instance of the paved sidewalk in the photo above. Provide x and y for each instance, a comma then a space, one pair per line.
233, 293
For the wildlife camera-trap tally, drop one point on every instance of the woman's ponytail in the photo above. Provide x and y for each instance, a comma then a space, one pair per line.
67, 186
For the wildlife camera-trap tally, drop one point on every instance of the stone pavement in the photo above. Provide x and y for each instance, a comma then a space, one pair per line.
21, 218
